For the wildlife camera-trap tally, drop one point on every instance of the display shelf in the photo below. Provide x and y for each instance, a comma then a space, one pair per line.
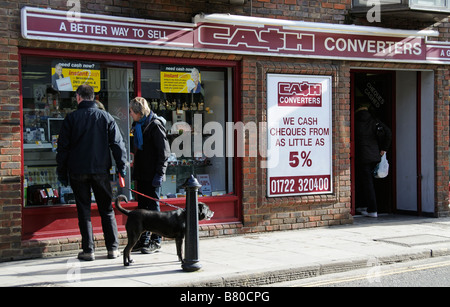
37, 145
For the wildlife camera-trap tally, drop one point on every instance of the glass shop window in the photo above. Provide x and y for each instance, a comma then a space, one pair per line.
427, 5
194, 103
432, 4
382, 2
48, 90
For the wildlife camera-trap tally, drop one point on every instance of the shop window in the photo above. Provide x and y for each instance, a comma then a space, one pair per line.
48, 91
431, 5
424, 5
196, 119
382, 2
193, 102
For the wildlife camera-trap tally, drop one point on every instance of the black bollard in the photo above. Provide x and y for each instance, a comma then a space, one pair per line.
191, 262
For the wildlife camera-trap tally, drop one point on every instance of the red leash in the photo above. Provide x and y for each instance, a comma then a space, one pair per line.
122, 185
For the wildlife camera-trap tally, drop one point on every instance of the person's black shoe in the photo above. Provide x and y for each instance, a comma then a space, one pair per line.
153, 247
86, 256
143, 242
137, 247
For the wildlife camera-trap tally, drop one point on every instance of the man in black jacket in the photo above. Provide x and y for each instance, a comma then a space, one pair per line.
87, 137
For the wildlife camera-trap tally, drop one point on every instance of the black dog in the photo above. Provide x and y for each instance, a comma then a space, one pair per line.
169, 224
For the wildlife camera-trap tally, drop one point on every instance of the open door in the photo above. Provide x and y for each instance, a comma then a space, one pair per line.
403, 100
415, 142
379, 88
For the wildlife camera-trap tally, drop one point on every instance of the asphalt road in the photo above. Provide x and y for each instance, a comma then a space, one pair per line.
432, 272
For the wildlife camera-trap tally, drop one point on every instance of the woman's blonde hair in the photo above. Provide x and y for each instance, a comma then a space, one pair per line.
140, 106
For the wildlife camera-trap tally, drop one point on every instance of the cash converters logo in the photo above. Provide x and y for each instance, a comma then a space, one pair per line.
299, 94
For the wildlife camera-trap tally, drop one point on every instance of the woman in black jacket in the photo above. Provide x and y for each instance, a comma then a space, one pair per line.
151, 151
372, 140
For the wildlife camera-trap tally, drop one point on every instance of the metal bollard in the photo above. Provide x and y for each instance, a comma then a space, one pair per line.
191, 262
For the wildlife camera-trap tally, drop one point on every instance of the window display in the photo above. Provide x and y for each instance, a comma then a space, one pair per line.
189, 98
48, 90
192, 99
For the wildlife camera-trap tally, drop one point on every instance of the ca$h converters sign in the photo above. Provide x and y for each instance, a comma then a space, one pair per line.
299, 147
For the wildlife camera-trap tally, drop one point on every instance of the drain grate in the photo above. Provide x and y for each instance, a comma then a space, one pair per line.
415, 240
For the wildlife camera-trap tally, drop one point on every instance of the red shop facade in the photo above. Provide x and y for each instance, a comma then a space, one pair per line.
268, 133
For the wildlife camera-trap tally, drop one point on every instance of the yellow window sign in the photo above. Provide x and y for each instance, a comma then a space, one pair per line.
67, 76
180, 79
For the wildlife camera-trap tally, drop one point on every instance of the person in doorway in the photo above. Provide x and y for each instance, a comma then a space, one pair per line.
151, 152
83, 158
372, 140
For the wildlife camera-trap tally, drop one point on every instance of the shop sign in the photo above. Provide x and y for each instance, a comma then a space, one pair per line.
54, 25
299, 132
276, 39
239, 34
438, 52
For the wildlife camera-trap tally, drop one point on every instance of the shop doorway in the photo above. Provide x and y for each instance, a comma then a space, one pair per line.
375, 89
404, 101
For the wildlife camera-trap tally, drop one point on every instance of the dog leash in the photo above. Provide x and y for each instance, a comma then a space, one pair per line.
155, 199
122, 185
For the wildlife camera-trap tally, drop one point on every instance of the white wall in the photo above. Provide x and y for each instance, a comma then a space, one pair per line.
406, 156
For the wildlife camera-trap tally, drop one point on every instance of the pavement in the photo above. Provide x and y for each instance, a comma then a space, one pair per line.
249, 260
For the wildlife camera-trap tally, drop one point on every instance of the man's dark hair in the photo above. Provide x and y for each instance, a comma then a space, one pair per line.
86, 92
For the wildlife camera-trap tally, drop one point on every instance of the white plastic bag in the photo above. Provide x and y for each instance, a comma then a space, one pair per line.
382, 168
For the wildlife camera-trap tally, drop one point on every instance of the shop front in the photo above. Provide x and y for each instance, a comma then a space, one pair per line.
260, 110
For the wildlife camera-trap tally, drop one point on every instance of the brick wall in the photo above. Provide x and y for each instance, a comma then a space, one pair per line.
284, 213
333, 11
10, 134
441, 132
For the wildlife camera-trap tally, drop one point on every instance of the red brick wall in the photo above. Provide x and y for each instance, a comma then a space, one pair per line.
10, 134
441, 134
333, 11
283, 213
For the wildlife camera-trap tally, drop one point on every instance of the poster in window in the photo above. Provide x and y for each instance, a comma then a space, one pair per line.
68, 75
181, 79
205, 183
299, 132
